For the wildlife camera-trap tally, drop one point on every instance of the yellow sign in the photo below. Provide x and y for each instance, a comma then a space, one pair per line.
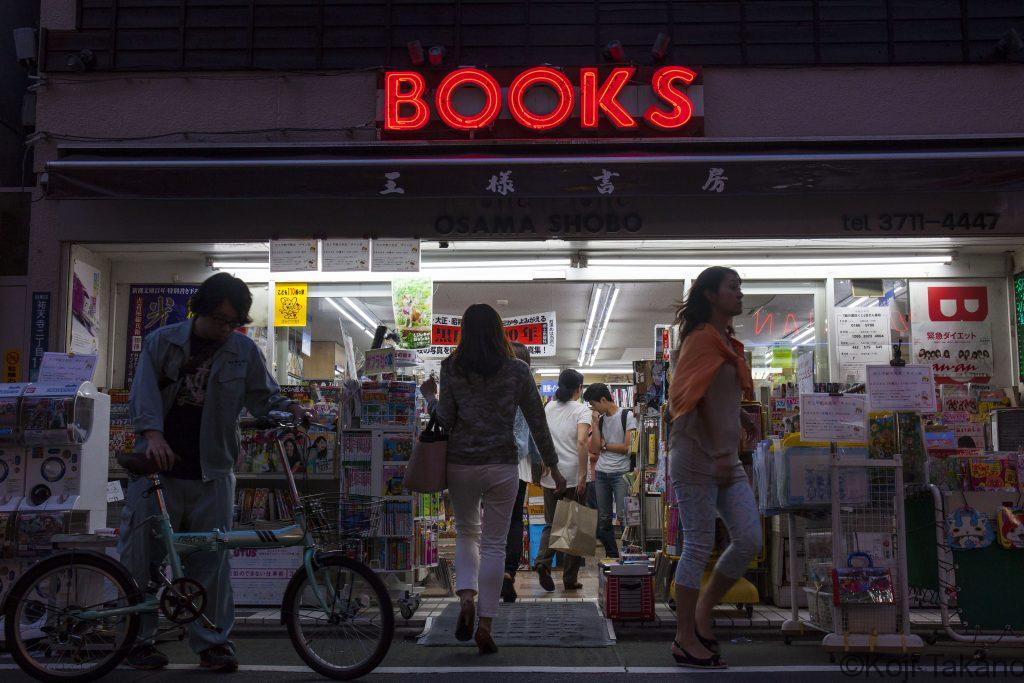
12, 365
290, 304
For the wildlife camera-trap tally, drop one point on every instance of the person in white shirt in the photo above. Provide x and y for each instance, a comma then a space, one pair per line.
569, 424
613, 430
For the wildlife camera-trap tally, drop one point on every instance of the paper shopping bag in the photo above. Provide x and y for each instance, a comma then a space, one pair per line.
574, 529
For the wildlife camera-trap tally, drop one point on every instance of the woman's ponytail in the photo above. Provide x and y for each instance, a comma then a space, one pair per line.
569, 382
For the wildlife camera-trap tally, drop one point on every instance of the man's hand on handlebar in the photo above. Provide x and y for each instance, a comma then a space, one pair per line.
302, 416
159, 450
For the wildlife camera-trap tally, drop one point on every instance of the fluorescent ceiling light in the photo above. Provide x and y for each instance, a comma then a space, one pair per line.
361, 312
800, 336
600, 370
803, 261
228, 265
595, 298
857, 302
347, 315
606, 316
512, 263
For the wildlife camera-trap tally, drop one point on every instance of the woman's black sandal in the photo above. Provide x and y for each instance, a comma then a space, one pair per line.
467, 619
689, 661
711, 644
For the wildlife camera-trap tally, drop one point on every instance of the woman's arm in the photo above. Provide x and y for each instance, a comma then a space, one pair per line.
595, 433
582, 451
446, 410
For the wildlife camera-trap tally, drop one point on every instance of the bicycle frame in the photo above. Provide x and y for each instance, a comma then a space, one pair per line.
178, 544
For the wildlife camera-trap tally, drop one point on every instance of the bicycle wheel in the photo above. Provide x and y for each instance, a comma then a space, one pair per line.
42, 632
351, 638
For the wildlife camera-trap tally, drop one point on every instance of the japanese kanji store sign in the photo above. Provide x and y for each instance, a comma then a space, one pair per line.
536, 331
956, 340
624, 101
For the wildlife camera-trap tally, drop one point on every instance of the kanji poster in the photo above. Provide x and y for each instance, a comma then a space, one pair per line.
150, 307
959, 352
536, 330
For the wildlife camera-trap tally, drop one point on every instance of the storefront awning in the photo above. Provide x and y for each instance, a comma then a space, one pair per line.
652, 168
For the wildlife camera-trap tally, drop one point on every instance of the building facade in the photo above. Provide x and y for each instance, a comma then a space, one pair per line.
246, 120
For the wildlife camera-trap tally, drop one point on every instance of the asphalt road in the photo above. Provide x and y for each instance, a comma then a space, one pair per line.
764, 658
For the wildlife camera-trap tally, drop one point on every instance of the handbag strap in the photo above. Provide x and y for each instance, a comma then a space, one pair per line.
434, 427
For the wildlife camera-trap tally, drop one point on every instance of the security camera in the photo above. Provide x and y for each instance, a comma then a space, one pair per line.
25, 45
81, 61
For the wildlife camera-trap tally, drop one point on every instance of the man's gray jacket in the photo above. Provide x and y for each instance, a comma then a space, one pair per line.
238, 379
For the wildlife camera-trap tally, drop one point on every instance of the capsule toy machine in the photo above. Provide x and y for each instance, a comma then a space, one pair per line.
12, 451
66, 429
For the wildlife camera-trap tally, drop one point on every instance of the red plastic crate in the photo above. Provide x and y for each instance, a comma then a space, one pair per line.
627, 598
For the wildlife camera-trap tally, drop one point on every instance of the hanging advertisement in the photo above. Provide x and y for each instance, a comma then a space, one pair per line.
953, 323
290, 304
85, 295
412, 299
536, 331
293, 255
959, 352
151, 307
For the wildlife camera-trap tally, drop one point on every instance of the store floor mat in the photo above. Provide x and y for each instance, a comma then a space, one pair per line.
530, 624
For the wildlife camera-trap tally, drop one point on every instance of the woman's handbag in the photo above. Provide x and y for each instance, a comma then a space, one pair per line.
428, 466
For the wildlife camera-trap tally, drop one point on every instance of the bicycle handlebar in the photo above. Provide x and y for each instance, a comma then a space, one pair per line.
278, 419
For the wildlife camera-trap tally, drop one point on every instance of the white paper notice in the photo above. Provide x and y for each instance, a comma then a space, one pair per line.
395, 256
842, 418
911, 387
293, 255
805, 372
346, 255
114, 492
862, 338
65, 367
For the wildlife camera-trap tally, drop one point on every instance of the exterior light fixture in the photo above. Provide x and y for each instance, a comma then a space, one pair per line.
435, 55
416, 54
83, 60
614, 52
660, 48
1008, 45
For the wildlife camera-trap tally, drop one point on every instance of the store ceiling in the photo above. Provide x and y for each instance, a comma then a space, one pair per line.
966, 244
630, 335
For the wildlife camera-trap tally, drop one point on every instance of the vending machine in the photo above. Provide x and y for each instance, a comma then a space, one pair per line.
12, 451
66, 431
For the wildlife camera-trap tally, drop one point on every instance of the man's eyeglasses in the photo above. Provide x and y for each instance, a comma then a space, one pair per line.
227, 322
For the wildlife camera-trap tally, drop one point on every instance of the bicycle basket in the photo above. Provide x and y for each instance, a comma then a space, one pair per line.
337, 521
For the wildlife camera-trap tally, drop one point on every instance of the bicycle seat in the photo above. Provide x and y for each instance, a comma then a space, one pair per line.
138, 464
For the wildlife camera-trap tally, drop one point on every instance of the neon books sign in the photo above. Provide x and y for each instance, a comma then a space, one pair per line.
408, 104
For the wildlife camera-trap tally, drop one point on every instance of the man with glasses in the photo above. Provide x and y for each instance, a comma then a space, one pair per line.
192, 381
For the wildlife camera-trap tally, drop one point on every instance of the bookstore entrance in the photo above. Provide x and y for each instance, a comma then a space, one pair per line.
603, 308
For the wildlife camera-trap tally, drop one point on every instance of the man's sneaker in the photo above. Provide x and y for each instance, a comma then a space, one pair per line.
544, 574
219, 658
146, 658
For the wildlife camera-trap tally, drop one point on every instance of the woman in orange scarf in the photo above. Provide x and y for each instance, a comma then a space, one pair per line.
710, 379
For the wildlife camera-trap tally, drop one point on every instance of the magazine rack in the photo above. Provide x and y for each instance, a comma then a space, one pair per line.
374, 457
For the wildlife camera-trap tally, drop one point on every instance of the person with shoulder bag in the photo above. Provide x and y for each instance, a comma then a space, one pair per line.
710, 379
611, 437
483, 386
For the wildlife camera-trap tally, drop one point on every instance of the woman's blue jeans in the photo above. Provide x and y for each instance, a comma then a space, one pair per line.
610, 488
